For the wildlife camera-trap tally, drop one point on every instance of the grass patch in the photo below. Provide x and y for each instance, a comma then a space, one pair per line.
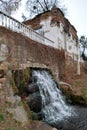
1, 117
78, 83
10, 129
1, 109
20, 103
84, 93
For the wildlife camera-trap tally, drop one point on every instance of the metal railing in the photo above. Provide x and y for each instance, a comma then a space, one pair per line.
14, 25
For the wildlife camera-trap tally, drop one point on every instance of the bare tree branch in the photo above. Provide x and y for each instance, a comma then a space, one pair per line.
41, 5
46, 2
36, 7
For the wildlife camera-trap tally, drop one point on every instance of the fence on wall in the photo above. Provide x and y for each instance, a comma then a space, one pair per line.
16, 26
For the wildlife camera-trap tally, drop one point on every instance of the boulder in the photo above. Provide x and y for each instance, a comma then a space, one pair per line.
19, 113
38, 125
34, 101
31, 88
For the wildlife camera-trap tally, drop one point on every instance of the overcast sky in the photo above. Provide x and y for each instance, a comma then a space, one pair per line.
76, 13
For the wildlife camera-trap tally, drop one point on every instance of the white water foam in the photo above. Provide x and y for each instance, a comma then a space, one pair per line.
54, 107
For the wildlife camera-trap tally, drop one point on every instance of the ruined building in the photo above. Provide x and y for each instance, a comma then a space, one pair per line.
46, 41
62, 34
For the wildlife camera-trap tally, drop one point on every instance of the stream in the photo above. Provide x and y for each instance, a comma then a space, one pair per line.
54, 108
76, 122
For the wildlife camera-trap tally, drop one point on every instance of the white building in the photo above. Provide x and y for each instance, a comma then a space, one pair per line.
53, 25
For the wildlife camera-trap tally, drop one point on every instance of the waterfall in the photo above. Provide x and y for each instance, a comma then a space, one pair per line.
53, 104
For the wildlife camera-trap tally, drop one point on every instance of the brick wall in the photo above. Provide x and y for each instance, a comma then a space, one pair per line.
56, 15
24, 52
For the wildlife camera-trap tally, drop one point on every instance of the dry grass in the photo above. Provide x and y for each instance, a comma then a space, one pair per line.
80, 84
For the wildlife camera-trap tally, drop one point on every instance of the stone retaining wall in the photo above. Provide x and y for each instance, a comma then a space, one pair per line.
20, 52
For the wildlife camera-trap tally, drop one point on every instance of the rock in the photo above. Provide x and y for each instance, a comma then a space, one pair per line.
38, 125
18, 113
4, 66
34, 101
34, 115
65, 85
1, 73
2, 80
0, 86
31, 88
14, 100
3, 52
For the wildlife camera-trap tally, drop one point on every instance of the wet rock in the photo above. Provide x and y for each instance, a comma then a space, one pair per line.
34, 101
2, 73
40, 115
31, 88
38, 125
34, 115
34, 79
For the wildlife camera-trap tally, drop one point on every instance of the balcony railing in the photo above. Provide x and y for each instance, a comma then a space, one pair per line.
14, 25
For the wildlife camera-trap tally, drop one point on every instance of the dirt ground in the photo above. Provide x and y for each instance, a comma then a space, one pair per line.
79, 84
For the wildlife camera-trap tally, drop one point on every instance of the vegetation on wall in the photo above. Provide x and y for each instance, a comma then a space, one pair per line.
23, 49
21, 78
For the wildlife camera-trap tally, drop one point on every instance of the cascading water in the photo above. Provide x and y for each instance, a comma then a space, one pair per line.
54, 107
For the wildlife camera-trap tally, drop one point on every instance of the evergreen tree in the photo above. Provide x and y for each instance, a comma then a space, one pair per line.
83, 42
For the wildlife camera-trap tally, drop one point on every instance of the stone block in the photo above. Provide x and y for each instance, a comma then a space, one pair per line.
19, 114
38, 125
0, 86
4, 66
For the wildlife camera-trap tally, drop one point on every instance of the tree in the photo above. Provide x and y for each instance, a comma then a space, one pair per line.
8, 6
84, 57
83, 43
36, 7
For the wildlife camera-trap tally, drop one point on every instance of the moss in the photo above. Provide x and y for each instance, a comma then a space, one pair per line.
9, 103
66, 92
34, 116
18, 82
13, 85
21, 78
74, 98
27, 108
1, 117
20, 103
79, 84
84, 94
10, 129
78, 99
1, 109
